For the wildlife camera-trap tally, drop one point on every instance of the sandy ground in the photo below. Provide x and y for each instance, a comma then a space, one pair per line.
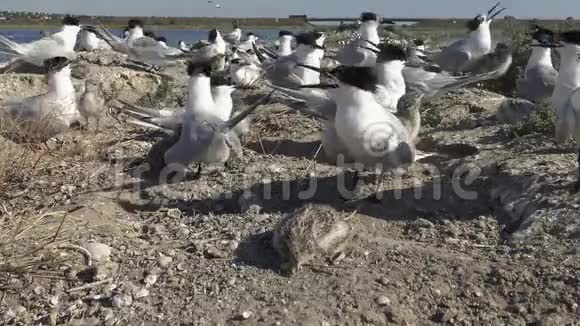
484, 232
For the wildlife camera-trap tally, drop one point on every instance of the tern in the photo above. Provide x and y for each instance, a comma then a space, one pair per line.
540, 76
244, 74
235, 36
478, 43
288, 71
285, 39
170, 50
203, 136
44, 116
139, 46
59, 44
92, 104
183, 47
88, 41
566, 97
357, 53
248, 44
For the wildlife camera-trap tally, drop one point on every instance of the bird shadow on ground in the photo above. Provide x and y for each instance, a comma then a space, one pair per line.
257, 251
453, 199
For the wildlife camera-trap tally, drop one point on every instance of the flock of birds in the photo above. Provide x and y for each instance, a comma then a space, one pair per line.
367, 92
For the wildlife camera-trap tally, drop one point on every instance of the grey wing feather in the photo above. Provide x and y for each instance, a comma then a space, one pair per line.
454, 57
538, 85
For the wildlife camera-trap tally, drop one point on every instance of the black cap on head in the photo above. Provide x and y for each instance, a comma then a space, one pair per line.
71, 21
204, 67
391, 52
543, 35
473, 24
362, 77
368, 16
285, 33
161, 39
251, 34
571, 37
309, 39
221, 80
55, 64
135, 23
418, 42
212, 35
150, 34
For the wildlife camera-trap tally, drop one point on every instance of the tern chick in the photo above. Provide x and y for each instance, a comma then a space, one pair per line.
92, 103
309, 232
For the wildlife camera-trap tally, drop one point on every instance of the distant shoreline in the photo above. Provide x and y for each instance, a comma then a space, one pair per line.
153, 26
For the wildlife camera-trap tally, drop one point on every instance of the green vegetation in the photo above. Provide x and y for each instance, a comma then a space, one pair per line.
543, 122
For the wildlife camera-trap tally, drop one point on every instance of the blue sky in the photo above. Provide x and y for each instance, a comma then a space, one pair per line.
318, 8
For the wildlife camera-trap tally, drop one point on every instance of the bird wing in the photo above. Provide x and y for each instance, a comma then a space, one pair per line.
453, 57
354, 55
538, 84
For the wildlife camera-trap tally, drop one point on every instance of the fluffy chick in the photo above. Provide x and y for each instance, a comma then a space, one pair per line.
312, 231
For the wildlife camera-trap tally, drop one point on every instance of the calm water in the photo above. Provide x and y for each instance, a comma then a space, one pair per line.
173, 35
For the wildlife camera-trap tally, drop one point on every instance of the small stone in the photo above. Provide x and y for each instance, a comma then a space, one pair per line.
107, 314
383, 301
92, 321
122, 300
423, 223
164, 261
181, 267
233, 245
39, 290
214, 253
53, 300
451, 241
99, 251
141, 293
150, 280
384, 281
247, 315
174, 213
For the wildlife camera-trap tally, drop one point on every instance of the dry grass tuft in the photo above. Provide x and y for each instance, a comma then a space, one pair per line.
28, 243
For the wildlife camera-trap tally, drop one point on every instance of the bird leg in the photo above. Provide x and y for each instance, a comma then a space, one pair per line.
197, 174
355, 179
577, 185
378, 181
97, 125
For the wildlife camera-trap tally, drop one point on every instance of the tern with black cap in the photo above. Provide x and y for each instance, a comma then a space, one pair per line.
357, 52
59, 44
478, 43
44, 116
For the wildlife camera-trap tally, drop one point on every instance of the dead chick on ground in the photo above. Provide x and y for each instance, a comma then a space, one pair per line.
311, 231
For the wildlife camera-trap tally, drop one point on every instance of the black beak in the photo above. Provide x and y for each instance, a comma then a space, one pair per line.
491, 15
493, 8
320, 86
371, 49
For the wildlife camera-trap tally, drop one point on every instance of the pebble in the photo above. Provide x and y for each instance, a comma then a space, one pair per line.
451, 241
383, 300
423, 223
174, 213
247, 315
99, 251
141, 293
164, 261
233, 245
214, 253
107, 313
122, 300
150, 280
